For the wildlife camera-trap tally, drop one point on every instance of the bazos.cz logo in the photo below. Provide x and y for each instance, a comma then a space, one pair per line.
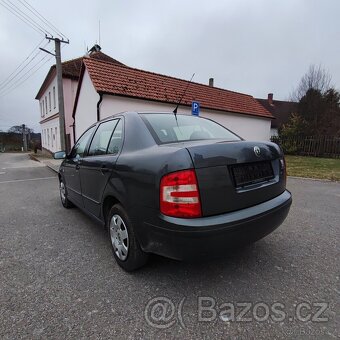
209, 310
161, 312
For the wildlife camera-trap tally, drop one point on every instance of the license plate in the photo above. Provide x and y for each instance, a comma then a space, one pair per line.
251, 173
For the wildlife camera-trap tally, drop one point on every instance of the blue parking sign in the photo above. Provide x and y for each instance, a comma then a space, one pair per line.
195, 108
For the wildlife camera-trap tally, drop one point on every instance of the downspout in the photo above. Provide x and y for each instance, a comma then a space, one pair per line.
98, 105
74, 132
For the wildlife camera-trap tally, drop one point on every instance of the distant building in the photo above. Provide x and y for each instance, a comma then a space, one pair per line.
106, 88
48, 100
280, 109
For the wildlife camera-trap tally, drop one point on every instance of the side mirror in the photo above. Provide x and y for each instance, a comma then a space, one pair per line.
59, 155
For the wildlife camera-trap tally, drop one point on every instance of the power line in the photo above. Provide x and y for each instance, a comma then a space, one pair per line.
4, 85
17, 84
19, 70
31, 20
42, 25
22, 62
41, 17
22, 16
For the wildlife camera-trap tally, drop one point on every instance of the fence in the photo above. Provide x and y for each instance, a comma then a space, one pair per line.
317, 146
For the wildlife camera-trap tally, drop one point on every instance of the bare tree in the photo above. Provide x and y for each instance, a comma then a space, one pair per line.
316, 78
15, 129
18, 129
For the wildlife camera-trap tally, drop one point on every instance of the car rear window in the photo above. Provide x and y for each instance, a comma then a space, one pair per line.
165, 128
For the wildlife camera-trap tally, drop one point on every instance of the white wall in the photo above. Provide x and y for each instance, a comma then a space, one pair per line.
248, 127
50, 136
69, 87
86, 113
274, 132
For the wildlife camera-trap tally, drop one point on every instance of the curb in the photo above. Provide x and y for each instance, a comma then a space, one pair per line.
52, 168
31, 156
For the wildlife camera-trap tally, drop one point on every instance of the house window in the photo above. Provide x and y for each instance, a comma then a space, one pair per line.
52, 137
43, 107
48, 137
41, 110
54, 101
45, 104
49, 100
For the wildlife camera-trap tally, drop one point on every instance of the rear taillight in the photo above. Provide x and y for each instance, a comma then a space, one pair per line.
179, 195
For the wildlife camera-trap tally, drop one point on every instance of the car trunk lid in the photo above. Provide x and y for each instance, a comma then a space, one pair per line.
236, 175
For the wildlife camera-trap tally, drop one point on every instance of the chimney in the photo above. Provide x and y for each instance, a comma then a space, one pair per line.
211, 82
270, 98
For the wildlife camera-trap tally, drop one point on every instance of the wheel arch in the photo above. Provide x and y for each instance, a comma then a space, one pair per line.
108, 203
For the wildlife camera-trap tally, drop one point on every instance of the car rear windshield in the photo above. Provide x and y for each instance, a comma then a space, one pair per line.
165, 128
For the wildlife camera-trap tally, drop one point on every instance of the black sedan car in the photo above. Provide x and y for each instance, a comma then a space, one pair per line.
179, 186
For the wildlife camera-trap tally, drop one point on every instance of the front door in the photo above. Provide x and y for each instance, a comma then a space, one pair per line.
72, 166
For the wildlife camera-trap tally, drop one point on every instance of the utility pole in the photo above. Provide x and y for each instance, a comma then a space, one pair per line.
24, 140
57, 55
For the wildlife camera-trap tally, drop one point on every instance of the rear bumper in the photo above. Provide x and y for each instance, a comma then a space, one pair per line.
188, 239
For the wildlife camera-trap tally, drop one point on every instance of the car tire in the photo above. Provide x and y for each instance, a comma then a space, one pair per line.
63, 195
125, 246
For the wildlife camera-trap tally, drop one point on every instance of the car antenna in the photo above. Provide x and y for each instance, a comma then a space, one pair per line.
175, 111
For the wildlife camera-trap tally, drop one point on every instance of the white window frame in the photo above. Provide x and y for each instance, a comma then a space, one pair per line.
54, 99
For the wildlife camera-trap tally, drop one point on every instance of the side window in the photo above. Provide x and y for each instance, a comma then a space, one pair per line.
101, 138
79, 148
116, 141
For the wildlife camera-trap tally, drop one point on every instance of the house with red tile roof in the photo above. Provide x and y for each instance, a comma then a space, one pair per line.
106, 88
281, 110
48, 99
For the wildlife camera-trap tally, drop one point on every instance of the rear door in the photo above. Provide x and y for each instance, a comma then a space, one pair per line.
99, 162
72, 166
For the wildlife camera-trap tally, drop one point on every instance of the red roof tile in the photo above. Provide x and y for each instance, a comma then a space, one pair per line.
111, 78
71, 68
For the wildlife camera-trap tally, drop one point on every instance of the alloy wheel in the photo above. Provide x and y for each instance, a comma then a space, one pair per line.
119, 237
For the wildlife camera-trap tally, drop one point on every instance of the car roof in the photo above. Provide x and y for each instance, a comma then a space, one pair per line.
125, 113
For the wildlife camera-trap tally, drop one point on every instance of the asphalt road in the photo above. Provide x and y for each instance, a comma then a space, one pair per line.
59, 280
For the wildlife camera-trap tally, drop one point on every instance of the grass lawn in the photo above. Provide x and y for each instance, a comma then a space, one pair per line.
313, 167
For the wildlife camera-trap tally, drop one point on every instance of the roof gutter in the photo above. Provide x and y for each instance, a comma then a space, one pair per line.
98, 105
